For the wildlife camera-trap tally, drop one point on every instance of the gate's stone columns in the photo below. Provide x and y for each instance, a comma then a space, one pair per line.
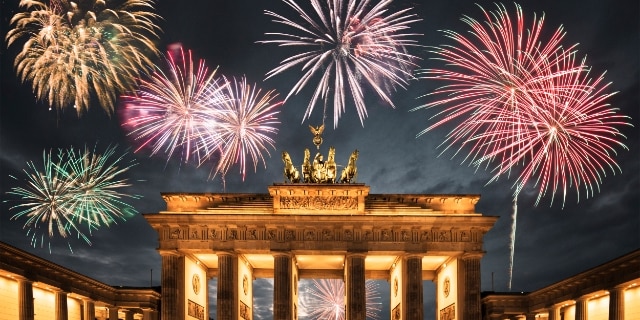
113, 313
469, 286
89, 309
554, 312
616, 303
282, 295
354, 279
25, 299
412, 291
173, 285
227, 303
61, 310
582, 308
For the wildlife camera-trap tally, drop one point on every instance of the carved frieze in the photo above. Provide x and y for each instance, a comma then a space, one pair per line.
195, 310
448, 313
471, 237
245, 311
342, 203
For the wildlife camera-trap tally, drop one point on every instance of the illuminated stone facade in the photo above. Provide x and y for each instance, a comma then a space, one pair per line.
610, 291
32, 288
320, 231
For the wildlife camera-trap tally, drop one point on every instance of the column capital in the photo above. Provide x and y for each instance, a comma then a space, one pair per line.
414, 255
21, 278
362, 254
621, 287
165, 252
582, 298
472, 255
287, 254
226, 253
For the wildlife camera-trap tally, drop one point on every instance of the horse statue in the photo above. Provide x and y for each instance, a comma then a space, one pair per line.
331, 166
307, 169
350, 171
290, 171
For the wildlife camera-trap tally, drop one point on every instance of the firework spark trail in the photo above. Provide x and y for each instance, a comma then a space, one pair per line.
345, 43
324, 299
525, 103
175, 111
512, 237
77, 192
73, 51
245, 123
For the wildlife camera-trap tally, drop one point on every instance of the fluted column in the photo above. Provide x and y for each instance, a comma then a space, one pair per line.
282, 296
25, 299
89, 309
616, 303
172, 285
581, 308
469, 273
412, 281
113, 313
148, 314
356, 308
61, 306
227, 305
554, 312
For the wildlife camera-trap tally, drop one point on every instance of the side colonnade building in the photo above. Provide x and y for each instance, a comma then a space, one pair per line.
32, 288
610, 291
301, 230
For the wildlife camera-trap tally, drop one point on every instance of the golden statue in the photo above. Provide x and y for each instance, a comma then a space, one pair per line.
290, 171
319, 171
307, 169
317, 134
350, 171
331, 166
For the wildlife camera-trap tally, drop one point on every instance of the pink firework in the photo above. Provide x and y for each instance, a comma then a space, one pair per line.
245, 123
173, 112
492, 73
345, 43
525, 103
566, 140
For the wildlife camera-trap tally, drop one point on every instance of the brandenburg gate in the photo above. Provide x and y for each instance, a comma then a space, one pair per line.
320, 225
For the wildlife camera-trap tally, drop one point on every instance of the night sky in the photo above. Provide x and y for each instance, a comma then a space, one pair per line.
551, 243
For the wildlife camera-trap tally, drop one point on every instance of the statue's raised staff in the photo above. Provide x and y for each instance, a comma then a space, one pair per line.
350, 171
331, 166
307, 168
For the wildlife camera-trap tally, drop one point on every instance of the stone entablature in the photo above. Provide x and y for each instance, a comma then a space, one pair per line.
311, 232
340, 199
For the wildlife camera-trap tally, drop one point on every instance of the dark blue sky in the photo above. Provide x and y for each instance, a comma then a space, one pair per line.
552, 243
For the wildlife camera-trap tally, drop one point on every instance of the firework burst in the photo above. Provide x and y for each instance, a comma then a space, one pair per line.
345, 44
76, 50
525, 103
175, 112
245, 124
76, 192
324, 299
